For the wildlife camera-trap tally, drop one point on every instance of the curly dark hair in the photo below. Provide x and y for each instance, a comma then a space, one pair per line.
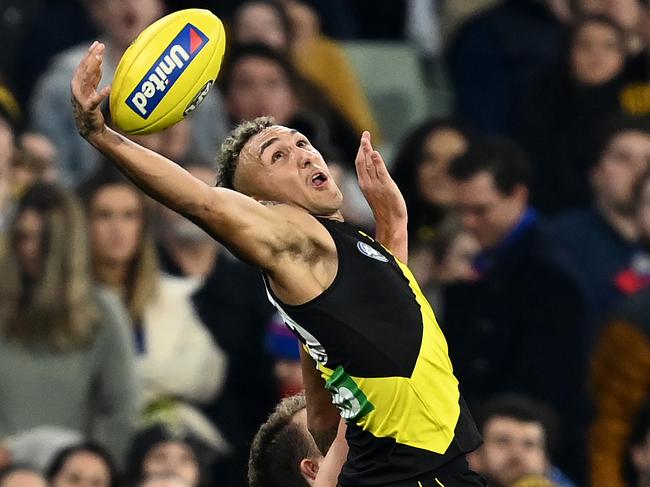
229, 154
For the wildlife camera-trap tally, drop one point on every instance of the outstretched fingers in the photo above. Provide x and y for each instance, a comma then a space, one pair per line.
379, 165
364, 164
87, 76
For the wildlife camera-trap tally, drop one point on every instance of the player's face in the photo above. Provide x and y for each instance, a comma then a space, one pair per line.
279, 164
512, 449
485, 212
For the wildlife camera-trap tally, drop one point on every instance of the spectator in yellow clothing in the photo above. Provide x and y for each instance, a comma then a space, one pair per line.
293, 26
621, 363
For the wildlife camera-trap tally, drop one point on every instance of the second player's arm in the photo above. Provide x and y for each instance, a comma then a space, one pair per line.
322, 416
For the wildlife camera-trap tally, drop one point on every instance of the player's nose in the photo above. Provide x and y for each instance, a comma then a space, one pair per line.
305, 163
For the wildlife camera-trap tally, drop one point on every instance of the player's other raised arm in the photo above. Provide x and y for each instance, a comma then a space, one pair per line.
384, 198
236, 220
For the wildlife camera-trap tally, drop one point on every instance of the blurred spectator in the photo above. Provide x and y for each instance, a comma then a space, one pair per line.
444, 260
6, 157
85, 464
262, 21
283, 451
620, 383
20, 476
626, 13
519, 435
38, 446
67, 339
34, 161
420, 170
638, 456
600, 239
9, 116
322, 61
633, 17
173, 348
168, 480
285, 349
233, 305
454, 14
637, 275
423, 27
561, 125
497, 57
231, 301
161, 450
14, 18
119, 21
42, 29
621, 361
257, 81
520, 326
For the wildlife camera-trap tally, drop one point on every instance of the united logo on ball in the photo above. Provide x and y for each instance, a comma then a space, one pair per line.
167, 71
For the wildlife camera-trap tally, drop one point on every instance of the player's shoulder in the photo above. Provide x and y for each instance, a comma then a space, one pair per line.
302, 221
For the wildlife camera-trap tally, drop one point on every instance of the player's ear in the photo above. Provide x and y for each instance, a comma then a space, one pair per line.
309, 468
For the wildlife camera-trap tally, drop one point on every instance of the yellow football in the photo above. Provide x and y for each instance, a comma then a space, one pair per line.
167, 71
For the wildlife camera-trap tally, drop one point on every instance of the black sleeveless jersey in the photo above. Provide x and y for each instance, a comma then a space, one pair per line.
384, 359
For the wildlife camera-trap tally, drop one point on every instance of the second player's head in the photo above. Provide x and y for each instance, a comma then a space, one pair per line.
283, 451
270, 162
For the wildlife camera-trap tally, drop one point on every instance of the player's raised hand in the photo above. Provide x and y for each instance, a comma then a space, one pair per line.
377, 186
85, 97
384, 198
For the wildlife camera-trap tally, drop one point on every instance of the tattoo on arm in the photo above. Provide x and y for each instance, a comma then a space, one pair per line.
270, 203
84, 120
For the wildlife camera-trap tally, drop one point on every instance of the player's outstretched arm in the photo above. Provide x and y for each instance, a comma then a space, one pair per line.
253, 231
384, 198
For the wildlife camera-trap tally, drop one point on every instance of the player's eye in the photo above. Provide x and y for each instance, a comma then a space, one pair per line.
276, 156
302, 143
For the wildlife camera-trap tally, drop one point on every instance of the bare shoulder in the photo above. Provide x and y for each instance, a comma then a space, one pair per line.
303, 222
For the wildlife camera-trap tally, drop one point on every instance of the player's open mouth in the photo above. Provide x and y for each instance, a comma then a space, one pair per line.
318, 179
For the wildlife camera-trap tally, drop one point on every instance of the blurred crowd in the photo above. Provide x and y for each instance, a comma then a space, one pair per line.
135, 350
